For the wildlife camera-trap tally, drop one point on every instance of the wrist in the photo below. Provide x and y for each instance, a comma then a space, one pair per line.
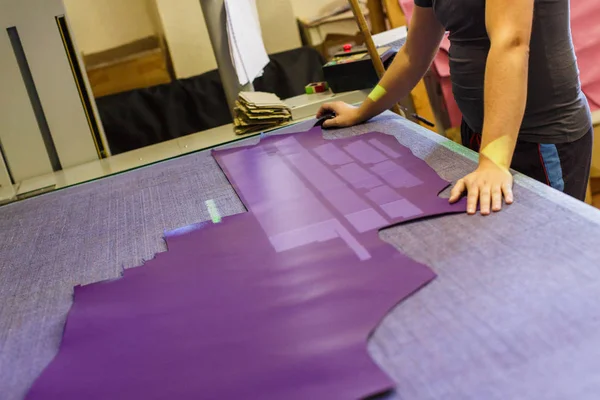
360, 114
487, 162
499, 152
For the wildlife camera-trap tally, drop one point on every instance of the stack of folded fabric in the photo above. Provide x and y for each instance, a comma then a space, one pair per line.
257, 111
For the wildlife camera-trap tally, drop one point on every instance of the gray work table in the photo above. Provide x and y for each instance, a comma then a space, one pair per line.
514, 312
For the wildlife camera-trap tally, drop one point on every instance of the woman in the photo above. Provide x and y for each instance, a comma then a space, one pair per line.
512, 62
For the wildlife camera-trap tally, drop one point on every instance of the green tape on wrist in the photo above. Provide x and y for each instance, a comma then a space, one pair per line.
377, 93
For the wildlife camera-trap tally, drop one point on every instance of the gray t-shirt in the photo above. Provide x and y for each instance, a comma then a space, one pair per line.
557, 110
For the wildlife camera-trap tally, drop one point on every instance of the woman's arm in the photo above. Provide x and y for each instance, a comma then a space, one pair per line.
505, 95
408, 67
506, 75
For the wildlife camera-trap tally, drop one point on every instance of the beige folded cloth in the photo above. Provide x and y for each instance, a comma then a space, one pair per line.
258, 111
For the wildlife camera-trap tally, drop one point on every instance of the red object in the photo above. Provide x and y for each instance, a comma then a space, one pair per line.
317, 87
320, 88
347, 47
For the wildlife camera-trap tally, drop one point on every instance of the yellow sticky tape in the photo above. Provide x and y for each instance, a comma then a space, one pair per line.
377, 93
497, 152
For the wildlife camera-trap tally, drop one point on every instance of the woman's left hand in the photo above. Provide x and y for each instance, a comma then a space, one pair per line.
487, 185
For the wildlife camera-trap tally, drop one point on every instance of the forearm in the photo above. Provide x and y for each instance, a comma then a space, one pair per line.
409, 65
505, 93
399, 79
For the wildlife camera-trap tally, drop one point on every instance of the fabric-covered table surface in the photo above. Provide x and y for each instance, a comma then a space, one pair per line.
513, 313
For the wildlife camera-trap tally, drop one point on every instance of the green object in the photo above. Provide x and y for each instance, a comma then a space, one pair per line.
377, 93
215, 216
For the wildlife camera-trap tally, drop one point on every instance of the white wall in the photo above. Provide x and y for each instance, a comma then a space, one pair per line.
187, 37
103, 24
278, 25
58, 94
308, 8
188, 40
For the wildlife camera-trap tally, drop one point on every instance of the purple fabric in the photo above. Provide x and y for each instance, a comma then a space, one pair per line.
296, 174
276, 303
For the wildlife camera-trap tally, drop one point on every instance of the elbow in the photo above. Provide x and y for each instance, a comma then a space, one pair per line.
518, 43
513, 43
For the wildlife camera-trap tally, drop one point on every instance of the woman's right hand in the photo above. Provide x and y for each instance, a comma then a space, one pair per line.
345, 114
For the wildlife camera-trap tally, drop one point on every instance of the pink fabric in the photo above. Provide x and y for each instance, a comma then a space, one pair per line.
585, 27
441, 67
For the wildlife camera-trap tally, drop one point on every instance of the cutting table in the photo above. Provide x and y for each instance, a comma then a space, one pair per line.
513, 314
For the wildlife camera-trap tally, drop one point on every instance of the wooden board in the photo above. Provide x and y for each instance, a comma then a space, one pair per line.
377, 16
394, 13
596, 151
140, 71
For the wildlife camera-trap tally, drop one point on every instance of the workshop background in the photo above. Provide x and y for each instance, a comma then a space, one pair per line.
110, 113
152, 74
184, 55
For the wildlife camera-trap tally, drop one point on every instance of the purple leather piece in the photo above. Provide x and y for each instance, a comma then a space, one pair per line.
256, 324
276, 303
303, 176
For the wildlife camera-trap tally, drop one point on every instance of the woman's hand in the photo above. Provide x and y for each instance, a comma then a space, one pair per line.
345, 114
487, 185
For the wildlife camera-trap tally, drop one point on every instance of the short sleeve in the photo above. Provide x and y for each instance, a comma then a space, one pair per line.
423, 3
